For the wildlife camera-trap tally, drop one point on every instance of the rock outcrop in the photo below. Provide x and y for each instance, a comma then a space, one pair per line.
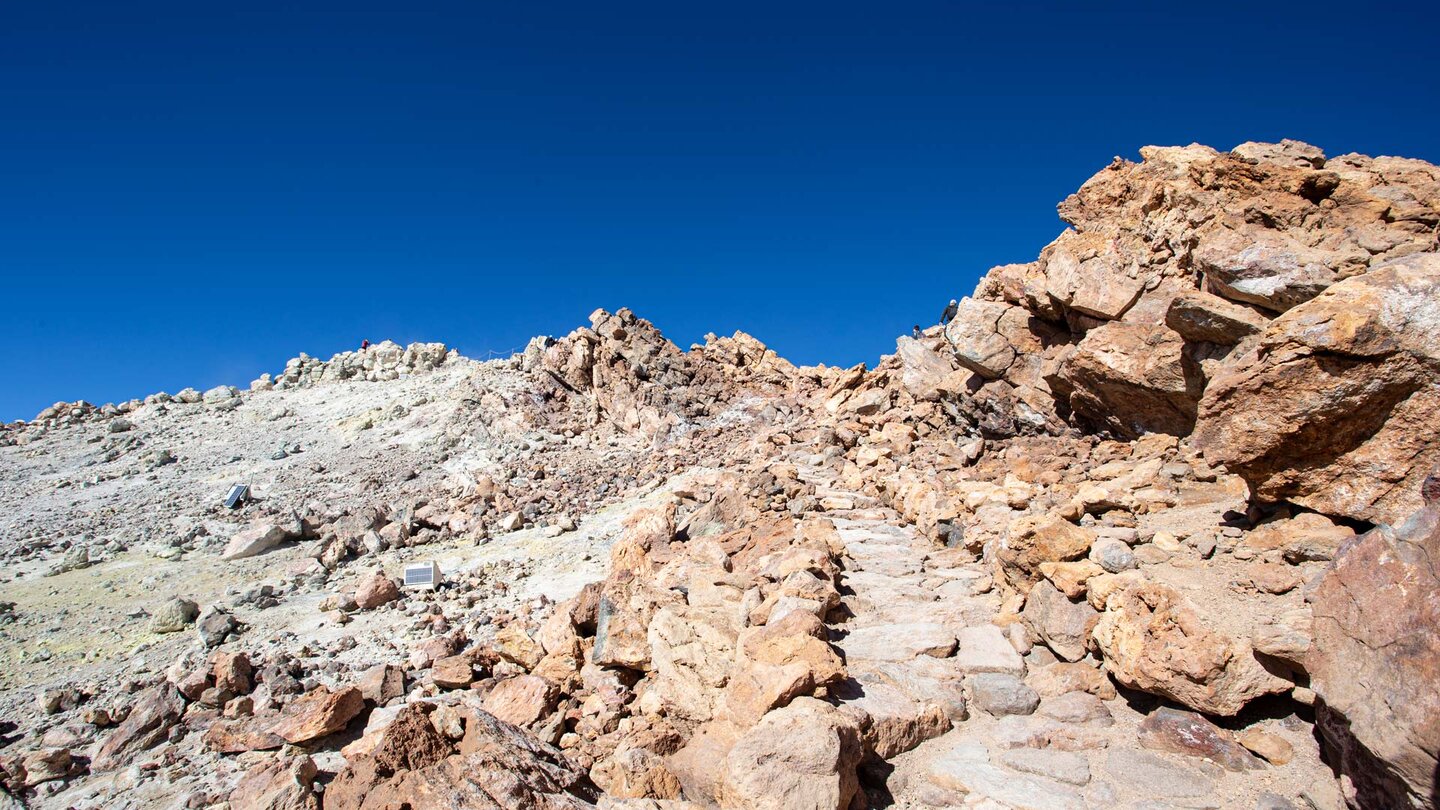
1334, 406
1375, 660
1175, 458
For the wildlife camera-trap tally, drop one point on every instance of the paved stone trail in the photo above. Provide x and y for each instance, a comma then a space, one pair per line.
947, 696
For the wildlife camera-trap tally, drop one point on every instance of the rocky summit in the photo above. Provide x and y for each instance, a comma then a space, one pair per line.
1152, 522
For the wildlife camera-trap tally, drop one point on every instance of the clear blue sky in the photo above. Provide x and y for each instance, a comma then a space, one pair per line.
190, 196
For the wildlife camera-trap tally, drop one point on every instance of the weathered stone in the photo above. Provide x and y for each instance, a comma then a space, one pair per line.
1202, 317
1303, 538
255, 540
1376, 659
635, 773
899, 642
1113, 555
796, 638
1272, 747
156, 710
1065, 766
174, 616
692, 650
1077, 708
1131, 379
277, 784
1092, 286
232, 672
496, 767
1064, 625
1070, 578
237, 735
1287, 636
975, 335
1060, 678
1001, 694
1192, 735
1263, 268
453, 671
1333, 409
1152, 775
924, 372
899, 706
381, 684
521, 700
627, 605
797, 758
46, 765
984, 648
376, 590
1154, 640
318, 714
1036, 539
513, 644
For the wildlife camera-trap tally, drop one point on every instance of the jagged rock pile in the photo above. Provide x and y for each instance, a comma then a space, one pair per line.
1148, 524
385, 360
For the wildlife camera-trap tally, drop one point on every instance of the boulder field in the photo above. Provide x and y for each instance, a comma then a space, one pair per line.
1152, 522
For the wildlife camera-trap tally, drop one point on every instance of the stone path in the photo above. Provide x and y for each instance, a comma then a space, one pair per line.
951, 709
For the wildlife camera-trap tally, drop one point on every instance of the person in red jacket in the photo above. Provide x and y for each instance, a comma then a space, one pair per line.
364, 344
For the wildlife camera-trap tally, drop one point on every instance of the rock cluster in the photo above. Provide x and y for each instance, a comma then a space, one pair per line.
1186, 457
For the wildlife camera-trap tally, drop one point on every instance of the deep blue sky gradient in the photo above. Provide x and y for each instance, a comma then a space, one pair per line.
192, 193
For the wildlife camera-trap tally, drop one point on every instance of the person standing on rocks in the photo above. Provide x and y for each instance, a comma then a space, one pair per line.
364, 344
915, 331
949, 314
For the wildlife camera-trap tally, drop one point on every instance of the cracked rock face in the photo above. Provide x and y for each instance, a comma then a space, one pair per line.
1375, 660
1334, 409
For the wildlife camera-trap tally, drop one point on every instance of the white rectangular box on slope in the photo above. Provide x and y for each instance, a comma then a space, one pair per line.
424, 575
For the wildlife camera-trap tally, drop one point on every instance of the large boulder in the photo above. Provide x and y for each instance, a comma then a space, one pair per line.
254, 540
975, 333
155, 712
496, 766
1131, 379
1033, 540
801, 757
1154, 640
278, 784
1334, 409
1206, 318
318, 713
1375, 661
1264, 268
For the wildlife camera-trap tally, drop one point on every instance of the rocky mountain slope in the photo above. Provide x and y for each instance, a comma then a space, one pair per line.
1151, 523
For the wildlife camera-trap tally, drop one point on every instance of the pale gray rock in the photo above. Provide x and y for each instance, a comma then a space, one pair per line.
174, 616
1001, 694
1065, 766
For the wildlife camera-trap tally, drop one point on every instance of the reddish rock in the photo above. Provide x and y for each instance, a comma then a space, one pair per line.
1131, 379
1192, 735
156, 710
1375, 661
1155, 640
45, 765
243, 734
375, 591
192, 686
521, 700
801, 757
496, 767
453, 671
318, 714
279, 784
232, 672
381, 684
1334, 409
